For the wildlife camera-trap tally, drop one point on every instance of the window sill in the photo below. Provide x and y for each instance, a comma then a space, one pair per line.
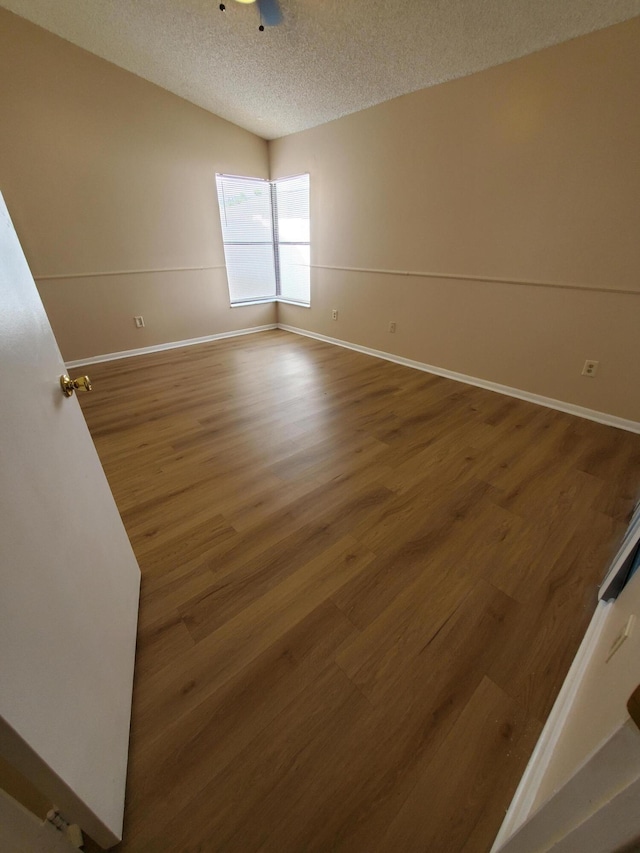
251, 302
265, 301
292, 302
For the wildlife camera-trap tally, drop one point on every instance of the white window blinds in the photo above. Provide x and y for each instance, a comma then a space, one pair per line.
292, 233
247, 232
265, 230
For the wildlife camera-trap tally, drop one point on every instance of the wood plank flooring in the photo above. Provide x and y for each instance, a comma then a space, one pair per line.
362, 587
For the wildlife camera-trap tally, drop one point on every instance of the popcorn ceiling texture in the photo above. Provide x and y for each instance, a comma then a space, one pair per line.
327, 59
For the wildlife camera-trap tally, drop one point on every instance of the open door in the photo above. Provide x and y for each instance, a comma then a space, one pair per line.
69, 578
581, 789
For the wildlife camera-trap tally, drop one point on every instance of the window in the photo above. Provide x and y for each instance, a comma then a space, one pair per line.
291, 208
247, 233
265, 231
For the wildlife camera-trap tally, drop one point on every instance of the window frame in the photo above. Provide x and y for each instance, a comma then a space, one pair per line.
275, 241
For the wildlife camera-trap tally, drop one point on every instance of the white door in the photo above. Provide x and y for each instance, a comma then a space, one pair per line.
581, 789
69, 581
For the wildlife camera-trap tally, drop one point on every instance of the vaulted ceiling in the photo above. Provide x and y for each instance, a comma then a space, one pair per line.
328, 58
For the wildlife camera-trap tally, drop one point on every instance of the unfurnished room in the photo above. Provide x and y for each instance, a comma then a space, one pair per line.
320, 459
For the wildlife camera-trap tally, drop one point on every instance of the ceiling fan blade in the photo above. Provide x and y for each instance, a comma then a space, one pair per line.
270, 12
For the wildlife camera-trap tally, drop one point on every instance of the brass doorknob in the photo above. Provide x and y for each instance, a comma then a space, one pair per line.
68, 385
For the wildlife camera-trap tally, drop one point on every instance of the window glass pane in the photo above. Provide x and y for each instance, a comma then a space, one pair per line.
250, 272
245, 210
247, 233
294, 273
292, 205
293, 209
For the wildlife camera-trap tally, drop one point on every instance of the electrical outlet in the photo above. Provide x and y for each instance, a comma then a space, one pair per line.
139, 321
392, 327
590, 368
334, 314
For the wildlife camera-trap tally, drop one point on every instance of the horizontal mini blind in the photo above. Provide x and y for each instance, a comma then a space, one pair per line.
247, 233
291, 214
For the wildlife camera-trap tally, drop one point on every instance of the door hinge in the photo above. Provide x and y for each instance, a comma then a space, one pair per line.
71, 831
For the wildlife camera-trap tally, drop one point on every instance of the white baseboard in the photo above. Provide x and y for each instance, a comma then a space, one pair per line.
523, 799
129, 353
549, 402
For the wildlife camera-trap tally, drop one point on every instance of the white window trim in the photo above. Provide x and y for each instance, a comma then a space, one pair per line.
275, 243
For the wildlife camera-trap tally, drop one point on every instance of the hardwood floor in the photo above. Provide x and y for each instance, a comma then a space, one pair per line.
362, 587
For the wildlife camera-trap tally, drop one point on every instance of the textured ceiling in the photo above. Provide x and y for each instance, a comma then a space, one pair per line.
328, 57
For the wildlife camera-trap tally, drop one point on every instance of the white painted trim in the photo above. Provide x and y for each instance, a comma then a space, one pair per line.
521, 804
293, 302
123, 272
268, 299
249, 302
481, 278
549, 402
367, 270
129, 353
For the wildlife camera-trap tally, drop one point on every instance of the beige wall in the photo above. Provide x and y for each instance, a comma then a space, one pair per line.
22, 790
528, 172
104, 172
